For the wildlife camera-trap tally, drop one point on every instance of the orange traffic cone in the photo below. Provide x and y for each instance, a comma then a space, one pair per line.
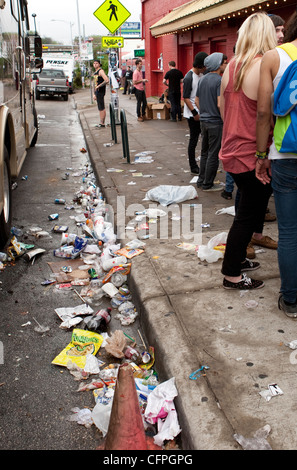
126, 430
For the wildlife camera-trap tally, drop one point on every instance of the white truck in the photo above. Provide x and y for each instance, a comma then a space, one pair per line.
63, 62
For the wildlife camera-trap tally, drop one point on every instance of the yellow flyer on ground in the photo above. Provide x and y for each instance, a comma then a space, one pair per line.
83, 342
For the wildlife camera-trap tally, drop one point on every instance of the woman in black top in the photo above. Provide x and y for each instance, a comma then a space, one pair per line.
101, 81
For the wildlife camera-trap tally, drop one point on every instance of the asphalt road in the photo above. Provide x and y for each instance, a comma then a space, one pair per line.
36, 397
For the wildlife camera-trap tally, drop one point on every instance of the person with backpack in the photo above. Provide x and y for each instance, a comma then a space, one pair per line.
278, 162
238, 106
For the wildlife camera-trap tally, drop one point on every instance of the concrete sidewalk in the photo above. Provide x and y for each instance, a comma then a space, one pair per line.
186, 314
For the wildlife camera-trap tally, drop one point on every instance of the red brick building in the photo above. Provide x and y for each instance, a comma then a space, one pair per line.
177, 30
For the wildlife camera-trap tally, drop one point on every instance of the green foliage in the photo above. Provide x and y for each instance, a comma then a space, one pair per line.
77, 80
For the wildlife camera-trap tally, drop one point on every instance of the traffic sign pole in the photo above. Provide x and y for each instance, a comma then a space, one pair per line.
112, 14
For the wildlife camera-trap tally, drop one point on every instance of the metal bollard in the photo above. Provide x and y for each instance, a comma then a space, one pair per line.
113, 124
125, 140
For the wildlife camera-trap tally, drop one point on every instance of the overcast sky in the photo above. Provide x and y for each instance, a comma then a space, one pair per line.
66, 12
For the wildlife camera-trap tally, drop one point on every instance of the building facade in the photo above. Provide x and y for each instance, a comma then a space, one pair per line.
177, 30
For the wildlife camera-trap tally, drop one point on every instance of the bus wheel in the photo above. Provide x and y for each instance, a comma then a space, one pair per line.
5, 216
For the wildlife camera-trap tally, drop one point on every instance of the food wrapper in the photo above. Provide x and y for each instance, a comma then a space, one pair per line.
220, 247
117, 269
83, 342
129, 252
150, 363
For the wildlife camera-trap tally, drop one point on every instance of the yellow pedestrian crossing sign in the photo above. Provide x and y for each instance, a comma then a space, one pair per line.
112, 14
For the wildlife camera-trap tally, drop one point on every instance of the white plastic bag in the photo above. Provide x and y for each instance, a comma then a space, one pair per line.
167, 194
168, 428
226, 210
82, 416
101, 416
208, 253
161, 409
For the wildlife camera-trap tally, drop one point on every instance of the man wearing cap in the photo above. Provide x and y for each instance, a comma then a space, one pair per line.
191, 112
208, 103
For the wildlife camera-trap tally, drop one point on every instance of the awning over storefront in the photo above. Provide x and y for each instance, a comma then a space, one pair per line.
200, 11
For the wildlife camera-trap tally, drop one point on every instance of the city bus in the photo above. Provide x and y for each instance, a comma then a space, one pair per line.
18, 117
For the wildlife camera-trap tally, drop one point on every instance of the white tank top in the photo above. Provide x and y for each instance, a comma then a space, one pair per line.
285, 60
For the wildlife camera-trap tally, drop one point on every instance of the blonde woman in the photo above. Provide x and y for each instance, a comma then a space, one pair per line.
239, 92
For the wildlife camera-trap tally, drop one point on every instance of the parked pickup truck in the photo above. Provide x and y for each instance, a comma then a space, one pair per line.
52, 82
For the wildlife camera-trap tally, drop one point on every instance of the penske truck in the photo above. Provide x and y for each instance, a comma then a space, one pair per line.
64, 62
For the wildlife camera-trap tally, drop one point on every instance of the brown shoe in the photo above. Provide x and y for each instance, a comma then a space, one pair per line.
250, 251
146, 118
269, 217
140, 119
266, 242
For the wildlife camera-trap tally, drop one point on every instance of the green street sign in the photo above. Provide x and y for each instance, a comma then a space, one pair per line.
139, 53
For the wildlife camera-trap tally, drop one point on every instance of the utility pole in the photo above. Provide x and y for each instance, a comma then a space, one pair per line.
79, 44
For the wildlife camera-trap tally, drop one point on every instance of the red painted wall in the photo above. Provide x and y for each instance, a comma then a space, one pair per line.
219, 37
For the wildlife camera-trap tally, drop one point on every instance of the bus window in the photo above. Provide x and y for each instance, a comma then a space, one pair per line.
24, 13
14, 8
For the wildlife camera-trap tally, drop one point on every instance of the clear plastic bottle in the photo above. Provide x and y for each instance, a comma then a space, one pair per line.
3, 257
99, 320
118, 279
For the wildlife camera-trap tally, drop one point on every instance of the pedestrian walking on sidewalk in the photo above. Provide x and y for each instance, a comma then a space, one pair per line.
280, 167
139, 84
128, 78
173, 79
208, 102
101, 80
191, 112
239, 92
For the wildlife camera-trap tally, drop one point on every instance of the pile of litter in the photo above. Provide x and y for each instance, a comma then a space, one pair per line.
96, 268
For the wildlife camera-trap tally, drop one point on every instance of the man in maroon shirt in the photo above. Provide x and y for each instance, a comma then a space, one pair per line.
138, 83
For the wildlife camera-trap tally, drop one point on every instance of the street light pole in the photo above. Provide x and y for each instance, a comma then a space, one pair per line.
71, 24
34, 16
78, 20
79, 41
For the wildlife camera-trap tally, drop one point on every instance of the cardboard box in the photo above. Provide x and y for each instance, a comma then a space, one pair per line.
160, 111
149, 111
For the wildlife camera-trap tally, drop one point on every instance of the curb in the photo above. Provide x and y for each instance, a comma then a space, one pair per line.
161, 324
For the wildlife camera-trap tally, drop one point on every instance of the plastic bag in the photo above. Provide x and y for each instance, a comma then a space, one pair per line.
166, 194
83, 417
116, 344
161, 409
226, 210
82, 343
101, 416
257, 442
208, 252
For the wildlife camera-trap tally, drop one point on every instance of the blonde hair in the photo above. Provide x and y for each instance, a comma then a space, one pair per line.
255, 37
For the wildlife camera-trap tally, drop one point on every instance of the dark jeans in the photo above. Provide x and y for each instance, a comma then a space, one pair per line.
210, 147
195, 131
141, 102
174, 99
249, 216
284, 183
